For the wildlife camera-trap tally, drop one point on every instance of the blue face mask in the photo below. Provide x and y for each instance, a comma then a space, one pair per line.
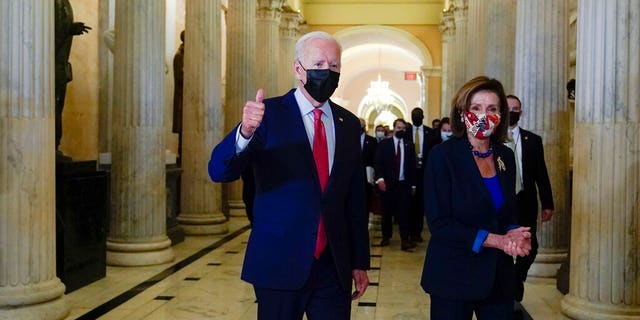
321, 83
445, 135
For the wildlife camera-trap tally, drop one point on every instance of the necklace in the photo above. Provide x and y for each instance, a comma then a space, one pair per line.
481, 154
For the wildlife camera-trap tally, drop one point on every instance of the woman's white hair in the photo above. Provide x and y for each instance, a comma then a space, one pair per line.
301, 43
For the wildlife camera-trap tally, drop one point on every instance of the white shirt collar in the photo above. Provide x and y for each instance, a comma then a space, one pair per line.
306, 107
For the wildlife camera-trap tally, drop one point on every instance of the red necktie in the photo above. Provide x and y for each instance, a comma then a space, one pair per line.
398, 159
321, 157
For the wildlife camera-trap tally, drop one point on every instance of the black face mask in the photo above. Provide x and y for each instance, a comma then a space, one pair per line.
514, 117
400, 134
417, 120
321, 83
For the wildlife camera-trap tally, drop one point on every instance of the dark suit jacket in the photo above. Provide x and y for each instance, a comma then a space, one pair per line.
369, 150
385, 162
534, 178
458, 204
288, 198
430, 137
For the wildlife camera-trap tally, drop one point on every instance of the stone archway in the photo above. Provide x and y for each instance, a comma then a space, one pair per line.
387, 52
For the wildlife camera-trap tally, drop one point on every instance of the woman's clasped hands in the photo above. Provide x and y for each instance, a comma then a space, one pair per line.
517, 242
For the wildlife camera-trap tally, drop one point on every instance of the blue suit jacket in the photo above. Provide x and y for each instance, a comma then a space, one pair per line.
457, 205
289, 201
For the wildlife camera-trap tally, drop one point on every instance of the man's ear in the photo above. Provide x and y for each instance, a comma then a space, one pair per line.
297, 69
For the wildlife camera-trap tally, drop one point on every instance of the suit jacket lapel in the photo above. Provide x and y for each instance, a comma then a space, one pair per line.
501, 172
340, 142
299, 133
469, 164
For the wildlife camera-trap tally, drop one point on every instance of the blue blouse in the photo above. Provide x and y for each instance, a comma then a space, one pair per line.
493, 184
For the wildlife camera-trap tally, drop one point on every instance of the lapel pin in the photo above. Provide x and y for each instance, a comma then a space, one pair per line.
340, 119
501, 165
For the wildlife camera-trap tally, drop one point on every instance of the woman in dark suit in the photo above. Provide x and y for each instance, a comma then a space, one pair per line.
470, 210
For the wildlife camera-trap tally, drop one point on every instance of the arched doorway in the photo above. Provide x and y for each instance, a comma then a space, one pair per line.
381, 77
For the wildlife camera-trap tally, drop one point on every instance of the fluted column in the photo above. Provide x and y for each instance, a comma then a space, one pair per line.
289, 34
268, 40
241, 79
606, 209
460, 15
29, 288
492, 41
448, 31
105, 75
540, 77
138, 196
203, 122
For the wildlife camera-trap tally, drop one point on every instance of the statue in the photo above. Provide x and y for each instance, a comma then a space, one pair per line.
65, 30
178, 75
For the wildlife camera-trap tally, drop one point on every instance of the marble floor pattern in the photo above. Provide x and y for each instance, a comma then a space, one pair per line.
203, 282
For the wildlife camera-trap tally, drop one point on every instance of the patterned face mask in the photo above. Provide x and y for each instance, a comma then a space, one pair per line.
481, 125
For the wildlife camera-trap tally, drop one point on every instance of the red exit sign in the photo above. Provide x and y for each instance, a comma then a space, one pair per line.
411, 76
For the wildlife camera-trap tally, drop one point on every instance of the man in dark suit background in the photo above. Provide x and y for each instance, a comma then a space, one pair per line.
395, 177
309, 237
531, 179
423, 138
368, 146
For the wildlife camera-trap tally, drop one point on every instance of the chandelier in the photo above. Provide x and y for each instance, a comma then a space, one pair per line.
378, 95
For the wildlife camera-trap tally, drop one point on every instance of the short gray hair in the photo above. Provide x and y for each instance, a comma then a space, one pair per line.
301, 43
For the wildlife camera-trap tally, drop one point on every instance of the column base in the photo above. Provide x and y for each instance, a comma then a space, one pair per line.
237, 209
547, 264
203, 224
139, 254
40, 301
51, 310
577, 308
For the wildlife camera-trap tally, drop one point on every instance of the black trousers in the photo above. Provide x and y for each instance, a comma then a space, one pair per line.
396, 203
527, 217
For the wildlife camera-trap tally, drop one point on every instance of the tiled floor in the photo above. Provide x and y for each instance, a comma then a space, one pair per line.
204, 283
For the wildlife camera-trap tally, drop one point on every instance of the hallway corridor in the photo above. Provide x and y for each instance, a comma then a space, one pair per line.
204, 283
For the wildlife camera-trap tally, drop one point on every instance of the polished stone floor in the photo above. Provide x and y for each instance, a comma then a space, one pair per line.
204, 283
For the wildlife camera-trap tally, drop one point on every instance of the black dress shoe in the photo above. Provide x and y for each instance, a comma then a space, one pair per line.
384, 242
407, 246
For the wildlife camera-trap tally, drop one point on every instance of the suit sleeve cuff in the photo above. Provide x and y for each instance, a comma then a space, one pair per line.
480, 237
513, 226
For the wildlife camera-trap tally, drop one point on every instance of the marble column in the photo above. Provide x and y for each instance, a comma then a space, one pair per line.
289, 34
460, 15
540, 78
492, 42
202, 119
431, 82
604, 280
138, 196
241, 80
105, 75
268, 40
29, 288
448, 31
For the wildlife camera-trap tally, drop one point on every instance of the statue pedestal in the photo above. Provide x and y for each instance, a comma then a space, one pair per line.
82, 215
174, 230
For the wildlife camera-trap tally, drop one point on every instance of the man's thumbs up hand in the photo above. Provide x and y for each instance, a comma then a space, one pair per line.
252, 114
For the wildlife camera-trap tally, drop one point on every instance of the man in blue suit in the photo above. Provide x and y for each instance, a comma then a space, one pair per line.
309, 238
